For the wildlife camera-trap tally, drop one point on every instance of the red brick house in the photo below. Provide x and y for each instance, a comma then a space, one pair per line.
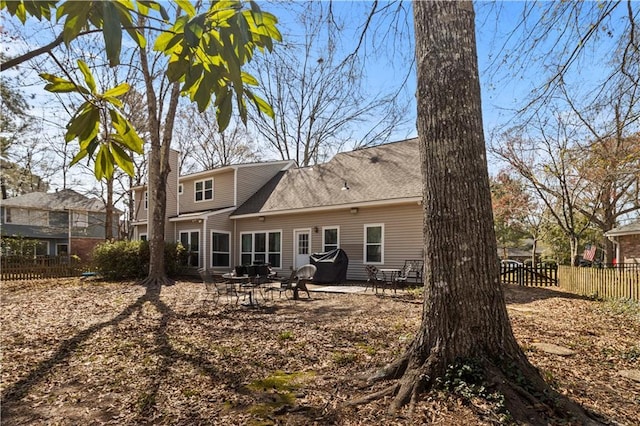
627, 242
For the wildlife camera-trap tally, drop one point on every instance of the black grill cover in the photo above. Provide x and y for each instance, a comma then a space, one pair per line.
331, 266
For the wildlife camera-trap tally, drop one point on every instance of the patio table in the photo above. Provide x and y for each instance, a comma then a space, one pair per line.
244, 283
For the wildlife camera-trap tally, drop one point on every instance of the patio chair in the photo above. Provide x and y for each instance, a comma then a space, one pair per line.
304, 274
412, 269
285, 285
215, 287
372, 278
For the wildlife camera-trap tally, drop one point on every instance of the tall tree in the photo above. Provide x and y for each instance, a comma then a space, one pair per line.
510, 204
318, 91
464, 316
544, 159
203, 146
206, 53
612, 166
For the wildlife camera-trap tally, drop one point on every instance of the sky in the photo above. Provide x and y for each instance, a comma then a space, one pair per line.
388, 63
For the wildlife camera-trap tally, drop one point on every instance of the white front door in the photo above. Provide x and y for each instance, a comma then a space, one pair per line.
302, 242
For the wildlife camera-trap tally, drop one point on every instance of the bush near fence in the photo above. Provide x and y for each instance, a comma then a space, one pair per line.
39, 267
621, 282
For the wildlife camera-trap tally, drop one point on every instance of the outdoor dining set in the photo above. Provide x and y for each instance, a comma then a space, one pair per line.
252, 282
394, 278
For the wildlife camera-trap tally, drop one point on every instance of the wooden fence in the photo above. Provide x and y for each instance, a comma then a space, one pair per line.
23, 268
606, 283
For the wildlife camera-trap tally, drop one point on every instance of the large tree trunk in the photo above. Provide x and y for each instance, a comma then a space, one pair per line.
464, 316
158, 171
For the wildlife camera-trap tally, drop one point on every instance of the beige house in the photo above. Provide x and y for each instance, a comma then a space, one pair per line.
627, 242
367, 202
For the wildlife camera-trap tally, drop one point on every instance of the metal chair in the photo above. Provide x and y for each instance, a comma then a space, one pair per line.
372, 278
412, 269
285, 285
216, 288
304, 274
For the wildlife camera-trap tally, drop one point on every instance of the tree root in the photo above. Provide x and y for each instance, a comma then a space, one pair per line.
389, 390
516, 391
157, 281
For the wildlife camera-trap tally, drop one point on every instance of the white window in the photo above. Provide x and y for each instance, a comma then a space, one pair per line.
146, 200
79, 219
191, 242
143, 237
203, 190
330, 238
374, 244
261, 247
220, 249
21, 216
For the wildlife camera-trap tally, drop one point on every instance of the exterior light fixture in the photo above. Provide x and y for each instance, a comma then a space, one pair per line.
345, 187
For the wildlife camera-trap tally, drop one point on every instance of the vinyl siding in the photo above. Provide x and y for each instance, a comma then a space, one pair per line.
402, 234
222, 192
140, 213
172, 184
252, 178
219, 222
58, 226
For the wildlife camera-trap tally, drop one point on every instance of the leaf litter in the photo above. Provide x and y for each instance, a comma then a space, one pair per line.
93, 352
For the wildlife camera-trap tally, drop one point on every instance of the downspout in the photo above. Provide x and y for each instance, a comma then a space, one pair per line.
205, 237
614, 240
69, 235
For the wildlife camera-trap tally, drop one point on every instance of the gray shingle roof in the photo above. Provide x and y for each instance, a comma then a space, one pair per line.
382, 173
60, 200
631, 228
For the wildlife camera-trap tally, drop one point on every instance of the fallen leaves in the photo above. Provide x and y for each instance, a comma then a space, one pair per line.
79, 352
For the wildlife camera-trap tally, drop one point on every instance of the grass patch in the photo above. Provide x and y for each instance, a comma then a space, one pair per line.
276, 391
626, 307
344, 358
285, 335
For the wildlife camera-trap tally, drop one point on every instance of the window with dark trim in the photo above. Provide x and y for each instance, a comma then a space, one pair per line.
220, 249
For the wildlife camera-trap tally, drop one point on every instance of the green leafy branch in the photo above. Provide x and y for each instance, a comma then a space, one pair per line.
206, 52
85, 124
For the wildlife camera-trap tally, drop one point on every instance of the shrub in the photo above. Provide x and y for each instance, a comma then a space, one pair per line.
175, 259
118, 260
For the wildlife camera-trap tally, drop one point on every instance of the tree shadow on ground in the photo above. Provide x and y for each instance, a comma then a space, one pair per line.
515, 294
13, 395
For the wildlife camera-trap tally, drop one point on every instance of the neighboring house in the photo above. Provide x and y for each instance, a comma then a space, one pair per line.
367, 202
519, 254
64, 222
627, 242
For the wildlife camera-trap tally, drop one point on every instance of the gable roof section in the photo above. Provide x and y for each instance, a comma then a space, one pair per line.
629, 229
60, 200
223, 169
385, 173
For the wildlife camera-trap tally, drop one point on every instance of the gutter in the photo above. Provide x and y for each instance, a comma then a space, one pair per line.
346, 206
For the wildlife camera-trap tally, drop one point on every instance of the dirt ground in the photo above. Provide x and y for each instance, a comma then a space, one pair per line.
89, 352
